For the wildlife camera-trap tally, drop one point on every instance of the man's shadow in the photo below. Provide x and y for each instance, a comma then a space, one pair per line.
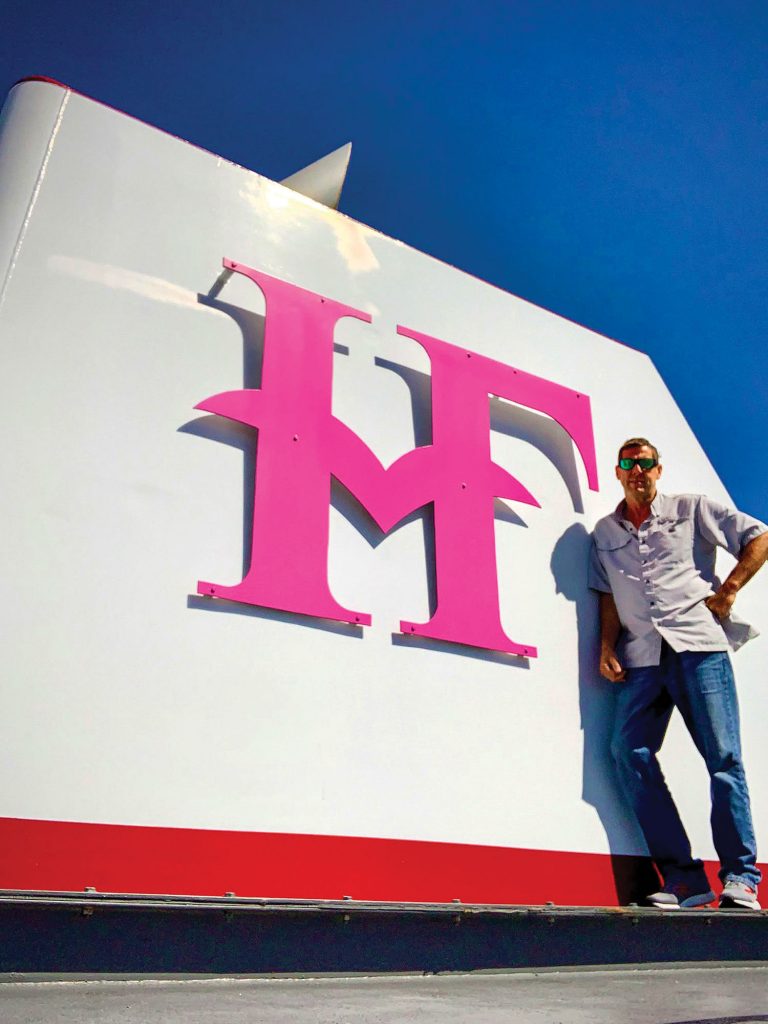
634, 876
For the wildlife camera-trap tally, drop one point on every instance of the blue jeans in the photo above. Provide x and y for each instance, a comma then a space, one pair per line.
701, 686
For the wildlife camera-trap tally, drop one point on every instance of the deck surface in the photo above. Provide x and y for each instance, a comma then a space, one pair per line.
714, 994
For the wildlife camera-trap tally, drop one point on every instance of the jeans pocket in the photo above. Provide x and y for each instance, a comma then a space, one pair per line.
714, 673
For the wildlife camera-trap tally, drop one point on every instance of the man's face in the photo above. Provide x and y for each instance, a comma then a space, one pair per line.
639, 484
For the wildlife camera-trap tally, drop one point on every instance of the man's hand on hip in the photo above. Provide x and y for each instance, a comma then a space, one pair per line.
610, 666
720, 603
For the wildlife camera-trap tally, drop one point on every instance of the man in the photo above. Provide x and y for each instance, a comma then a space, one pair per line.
666, 629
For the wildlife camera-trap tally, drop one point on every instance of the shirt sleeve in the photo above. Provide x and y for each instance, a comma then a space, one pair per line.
597, 578
726, 527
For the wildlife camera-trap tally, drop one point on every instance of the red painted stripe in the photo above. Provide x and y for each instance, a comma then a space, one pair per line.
58, 855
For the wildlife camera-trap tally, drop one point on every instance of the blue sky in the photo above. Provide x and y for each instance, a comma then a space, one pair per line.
604, 160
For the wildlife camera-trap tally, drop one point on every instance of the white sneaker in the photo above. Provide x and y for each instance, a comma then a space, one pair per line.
680, 895
737, 894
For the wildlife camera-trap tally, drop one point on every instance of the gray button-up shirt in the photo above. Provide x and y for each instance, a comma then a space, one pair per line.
661, 573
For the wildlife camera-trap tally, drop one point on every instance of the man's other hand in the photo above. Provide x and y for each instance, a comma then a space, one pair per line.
720, 604
610, 667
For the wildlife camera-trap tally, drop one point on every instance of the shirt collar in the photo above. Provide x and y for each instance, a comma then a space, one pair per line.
656, 506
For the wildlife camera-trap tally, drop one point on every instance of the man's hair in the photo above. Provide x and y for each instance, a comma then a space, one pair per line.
639, 442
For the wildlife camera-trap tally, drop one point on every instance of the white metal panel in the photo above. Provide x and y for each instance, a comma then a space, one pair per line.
128, 699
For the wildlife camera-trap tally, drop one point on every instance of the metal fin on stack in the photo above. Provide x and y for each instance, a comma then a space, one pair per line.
323, 180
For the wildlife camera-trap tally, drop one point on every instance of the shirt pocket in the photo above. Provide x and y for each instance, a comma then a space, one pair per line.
672, 539
614, 542
615, 553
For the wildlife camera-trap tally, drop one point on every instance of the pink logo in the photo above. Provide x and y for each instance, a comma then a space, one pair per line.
302, 444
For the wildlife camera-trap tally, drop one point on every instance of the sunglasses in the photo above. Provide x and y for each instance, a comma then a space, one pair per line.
642, 463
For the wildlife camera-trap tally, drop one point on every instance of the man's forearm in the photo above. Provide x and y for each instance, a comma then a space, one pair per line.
610, 624
610, 627
751, 559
